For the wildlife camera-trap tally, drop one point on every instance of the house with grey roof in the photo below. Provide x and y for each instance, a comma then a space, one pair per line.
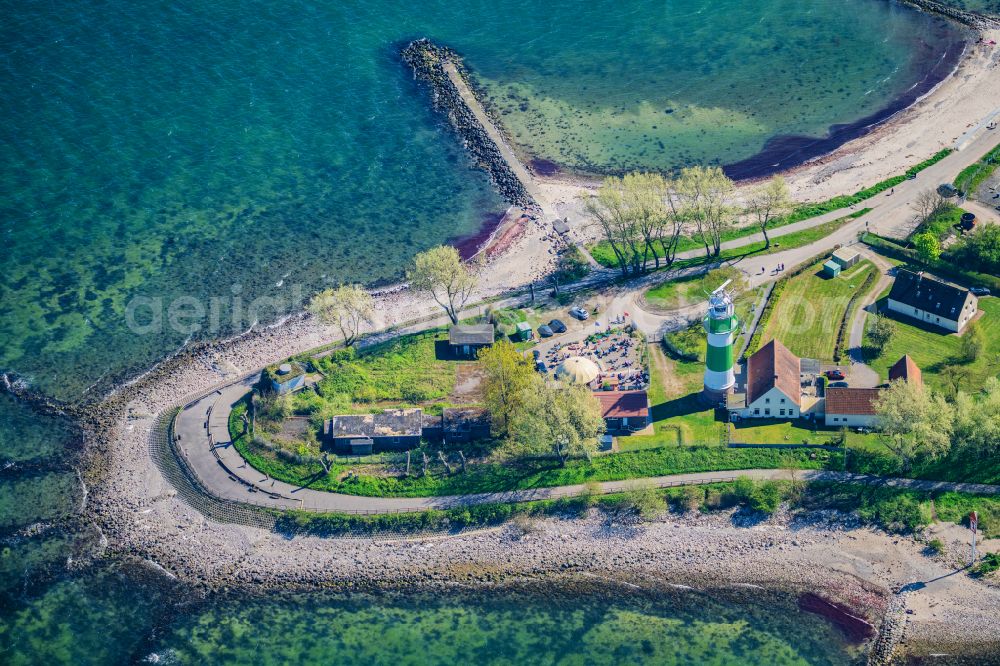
465, 340
390, 430
932, 301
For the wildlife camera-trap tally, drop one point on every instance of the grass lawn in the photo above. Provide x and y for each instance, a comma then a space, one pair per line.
407, 369
971, 177
807, 317
934, 349
942, 224
689, 289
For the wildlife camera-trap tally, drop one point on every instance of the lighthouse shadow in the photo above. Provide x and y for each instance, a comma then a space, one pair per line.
688, 404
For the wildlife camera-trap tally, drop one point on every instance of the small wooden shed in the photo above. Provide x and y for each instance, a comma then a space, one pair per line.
522, 331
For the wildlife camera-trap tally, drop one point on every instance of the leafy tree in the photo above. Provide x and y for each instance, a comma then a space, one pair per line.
555, 419
507, 374
972, 343
769, 202
706, 195
880, 333
571, 266
927, 246
980, 250
346, 307
954, 376
441, 273
913, 422
977, 428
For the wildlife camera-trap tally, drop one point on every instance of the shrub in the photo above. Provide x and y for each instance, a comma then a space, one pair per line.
989, 564
365, 393
935, 546
592, 492
766, 497
692, 498
645, 500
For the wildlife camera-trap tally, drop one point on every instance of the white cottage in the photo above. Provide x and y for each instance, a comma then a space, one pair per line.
773, 389
932, 301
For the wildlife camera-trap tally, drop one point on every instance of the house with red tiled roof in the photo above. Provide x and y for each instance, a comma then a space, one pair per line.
773, 384
624, 412
851, 407
855, 407
906, 370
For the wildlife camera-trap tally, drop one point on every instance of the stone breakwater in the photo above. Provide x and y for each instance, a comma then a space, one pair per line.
428, 61
971, 19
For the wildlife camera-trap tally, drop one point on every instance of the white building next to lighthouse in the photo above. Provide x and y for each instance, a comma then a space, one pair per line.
773, 386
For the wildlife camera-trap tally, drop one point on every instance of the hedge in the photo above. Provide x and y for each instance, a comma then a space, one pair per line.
940, 267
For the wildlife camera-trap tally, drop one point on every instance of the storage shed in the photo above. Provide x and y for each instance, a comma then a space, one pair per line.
846, 257
831, 269
522, 331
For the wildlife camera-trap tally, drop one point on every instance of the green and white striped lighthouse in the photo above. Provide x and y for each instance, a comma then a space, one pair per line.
721, 325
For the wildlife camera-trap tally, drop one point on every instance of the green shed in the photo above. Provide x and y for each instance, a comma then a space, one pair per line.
522, 331
831, 269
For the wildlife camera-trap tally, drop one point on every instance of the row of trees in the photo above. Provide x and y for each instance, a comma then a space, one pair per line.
438, 272
644, 216
918, 425
532, 417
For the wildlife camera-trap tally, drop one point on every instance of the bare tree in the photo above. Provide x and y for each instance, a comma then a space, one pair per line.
928, 203
706, 197
769, 202
613, 214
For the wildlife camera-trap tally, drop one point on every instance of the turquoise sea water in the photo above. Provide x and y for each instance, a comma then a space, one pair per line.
219, 150
236, 149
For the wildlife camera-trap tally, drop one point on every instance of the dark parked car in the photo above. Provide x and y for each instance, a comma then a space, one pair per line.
980, 291
557, 326
838, 384
545, 331
535, 354
834, 374
541, 367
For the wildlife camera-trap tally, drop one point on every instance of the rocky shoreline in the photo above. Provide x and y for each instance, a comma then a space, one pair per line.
963, 16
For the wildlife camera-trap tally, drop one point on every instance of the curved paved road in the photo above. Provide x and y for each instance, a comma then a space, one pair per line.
201, 429
202, 436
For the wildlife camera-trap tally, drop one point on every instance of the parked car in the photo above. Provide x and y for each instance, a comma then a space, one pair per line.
838, 384
980, 291
579, 313
836, 373
545, 331
541, 367
557, 326
535, 354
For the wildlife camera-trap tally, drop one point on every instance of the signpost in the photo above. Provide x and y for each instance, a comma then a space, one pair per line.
973, 525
